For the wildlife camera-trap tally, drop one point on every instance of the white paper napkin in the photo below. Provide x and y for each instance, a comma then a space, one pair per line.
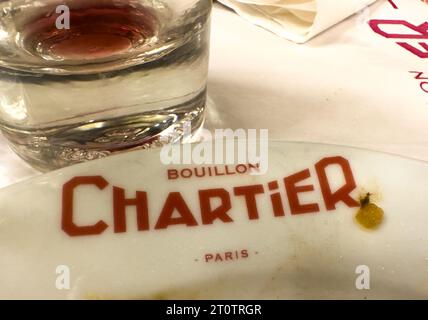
296, 20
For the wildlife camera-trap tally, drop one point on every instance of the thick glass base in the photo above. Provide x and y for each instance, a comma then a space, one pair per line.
60, 146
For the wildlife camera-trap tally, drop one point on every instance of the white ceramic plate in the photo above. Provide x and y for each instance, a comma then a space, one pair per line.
195, 251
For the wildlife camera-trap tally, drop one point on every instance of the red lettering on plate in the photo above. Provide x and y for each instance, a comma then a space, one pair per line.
175, 203
209, 215
250, 193
172, 174
293, 193
228, 256
277, 205
175, 210
68, 224
120, 203
343, 194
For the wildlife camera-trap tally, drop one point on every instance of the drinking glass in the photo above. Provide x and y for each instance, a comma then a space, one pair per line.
82, 79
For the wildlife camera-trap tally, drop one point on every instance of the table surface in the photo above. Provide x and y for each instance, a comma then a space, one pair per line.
259, 80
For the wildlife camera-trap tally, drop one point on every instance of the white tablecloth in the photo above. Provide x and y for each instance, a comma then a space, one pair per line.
315, 92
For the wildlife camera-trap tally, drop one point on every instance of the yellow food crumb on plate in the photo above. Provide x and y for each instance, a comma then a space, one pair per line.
370, 216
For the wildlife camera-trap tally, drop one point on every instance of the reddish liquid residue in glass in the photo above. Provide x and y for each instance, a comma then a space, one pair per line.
95, 32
